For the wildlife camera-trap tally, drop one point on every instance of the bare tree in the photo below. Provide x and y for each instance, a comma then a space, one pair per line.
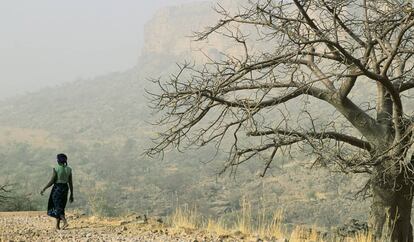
4, 193
301, 53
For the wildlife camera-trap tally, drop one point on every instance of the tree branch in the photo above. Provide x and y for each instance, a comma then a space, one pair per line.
314, 135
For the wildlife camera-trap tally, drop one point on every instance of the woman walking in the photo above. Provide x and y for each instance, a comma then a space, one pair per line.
62, 182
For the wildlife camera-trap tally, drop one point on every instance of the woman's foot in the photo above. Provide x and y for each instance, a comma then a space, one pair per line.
65, 224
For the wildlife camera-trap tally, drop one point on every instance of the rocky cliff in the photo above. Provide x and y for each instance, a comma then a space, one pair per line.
171, 32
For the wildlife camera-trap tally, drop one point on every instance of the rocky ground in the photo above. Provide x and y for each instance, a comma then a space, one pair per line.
36, 226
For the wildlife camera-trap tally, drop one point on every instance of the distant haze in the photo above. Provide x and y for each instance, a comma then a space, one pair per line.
48, 42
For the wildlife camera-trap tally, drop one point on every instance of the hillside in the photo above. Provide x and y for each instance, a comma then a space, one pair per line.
103, 125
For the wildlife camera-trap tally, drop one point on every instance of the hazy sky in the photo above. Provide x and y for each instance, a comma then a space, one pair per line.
47, 42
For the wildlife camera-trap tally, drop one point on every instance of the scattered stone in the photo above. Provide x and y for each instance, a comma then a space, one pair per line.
238, 234
123, 222
142, 217
224, 236
141, 222
281, 240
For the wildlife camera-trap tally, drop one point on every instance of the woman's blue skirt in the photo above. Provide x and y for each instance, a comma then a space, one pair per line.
57, 200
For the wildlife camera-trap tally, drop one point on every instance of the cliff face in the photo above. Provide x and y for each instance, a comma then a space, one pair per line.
171, 31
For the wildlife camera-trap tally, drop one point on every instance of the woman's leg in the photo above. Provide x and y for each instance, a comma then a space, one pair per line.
58, 223
65, 222
63, 205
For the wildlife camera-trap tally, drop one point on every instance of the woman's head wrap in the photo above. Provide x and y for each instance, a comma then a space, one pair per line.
62, 159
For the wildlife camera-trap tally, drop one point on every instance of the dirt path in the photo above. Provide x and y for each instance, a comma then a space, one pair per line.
36, 226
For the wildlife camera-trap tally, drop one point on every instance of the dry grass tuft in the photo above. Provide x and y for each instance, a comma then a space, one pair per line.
274, 228
244, 221
261, 225
216, 227
185, 218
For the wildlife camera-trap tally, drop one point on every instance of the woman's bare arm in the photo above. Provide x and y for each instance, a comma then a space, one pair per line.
70, 188
50, 183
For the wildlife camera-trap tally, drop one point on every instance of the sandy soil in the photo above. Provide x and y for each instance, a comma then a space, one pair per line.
37, 226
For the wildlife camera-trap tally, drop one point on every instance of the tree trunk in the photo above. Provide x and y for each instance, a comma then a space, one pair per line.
390, 217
